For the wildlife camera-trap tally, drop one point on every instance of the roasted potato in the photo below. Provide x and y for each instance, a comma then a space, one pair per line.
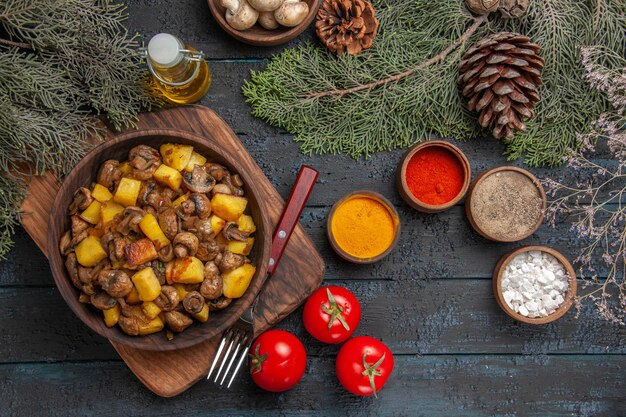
228, 207
127, 192
92, 212
236, 282
150, 227
90, 251
187, 270
176, 156
196, 159
168, 177
147, 284
101, 193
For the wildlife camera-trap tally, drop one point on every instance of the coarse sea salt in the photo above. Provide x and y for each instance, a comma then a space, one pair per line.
534, 284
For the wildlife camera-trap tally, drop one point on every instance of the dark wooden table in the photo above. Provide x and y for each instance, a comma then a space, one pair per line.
457, 353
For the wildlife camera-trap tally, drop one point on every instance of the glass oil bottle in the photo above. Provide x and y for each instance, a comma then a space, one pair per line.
179, 73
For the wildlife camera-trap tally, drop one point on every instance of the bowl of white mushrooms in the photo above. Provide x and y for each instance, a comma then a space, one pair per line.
264, 22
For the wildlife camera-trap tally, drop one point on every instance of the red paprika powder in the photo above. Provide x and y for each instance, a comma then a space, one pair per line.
434, 175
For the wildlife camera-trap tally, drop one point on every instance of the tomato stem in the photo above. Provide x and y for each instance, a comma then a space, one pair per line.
372, 370
334, 311
257, 359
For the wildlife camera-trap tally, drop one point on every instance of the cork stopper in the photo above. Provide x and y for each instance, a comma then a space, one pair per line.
164, 50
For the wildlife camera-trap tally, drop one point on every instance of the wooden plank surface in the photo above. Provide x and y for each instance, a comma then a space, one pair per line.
448, 385
431, 301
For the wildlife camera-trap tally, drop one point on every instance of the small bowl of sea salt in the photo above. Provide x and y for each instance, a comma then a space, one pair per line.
534, 284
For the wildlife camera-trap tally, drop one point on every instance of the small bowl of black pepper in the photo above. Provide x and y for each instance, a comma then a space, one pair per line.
506, 204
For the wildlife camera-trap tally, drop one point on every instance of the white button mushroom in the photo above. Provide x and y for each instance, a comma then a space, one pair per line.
265, 5
239, 14
266, 19
291, 13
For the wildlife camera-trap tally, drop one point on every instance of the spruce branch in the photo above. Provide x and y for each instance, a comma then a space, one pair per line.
8, 42
397, 77
65, 62
354, 105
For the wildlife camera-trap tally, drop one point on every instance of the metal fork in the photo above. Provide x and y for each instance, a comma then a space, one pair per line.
237, 336
241, 334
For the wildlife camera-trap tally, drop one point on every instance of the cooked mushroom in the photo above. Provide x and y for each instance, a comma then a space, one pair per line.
228, 180
177, 321
102, 301
230, 261
265, 5
145, 160
117, 249
187, 208
131, 216
159, 270
78, 225
109, 173
189, 223
204, 229
82, 199
168, 221
115, 282
88, 275
202, 204
239, 14
166, 253
199, 180
185, 244
231, 232
291, 13
220, 303
193, 302
158, 198
168, 299
65, 244
146, 188
208, 250
129, 325
212, 287
71, 264
84, 298
222, 189
89, 289
217, 171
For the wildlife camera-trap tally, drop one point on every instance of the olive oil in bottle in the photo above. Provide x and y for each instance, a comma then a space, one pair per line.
179, 73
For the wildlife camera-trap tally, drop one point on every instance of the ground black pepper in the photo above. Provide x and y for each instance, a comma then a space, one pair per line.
506, 205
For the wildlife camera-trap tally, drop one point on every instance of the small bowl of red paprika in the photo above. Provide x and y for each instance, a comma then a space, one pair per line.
433, 176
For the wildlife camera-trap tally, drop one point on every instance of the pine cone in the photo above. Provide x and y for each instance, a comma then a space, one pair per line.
346, 25
500, 75
513, 8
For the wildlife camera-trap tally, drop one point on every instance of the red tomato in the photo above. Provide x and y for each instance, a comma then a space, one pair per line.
331, 314
363, 365
277, 361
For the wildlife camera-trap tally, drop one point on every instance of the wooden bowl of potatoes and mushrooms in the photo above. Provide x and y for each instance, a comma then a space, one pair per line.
141, 250
264, 22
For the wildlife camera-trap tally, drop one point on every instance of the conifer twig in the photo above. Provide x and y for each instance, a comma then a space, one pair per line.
21, 45
478, 21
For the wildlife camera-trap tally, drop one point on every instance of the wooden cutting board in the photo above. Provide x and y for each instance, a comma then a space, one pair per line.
299, 273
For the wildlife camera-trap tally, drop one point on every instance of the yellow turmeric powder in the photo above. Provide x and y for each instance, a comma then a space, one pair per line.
363, 227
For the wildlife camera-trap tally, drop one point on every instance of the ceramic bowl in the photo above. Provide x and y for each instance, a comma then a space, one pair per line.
485, 233
403, 187
569, 297
351, 258
85, 173
258, 35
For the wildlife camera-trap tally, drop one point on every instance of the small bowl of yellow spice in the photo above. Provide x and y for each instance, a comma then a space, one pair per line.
363, 227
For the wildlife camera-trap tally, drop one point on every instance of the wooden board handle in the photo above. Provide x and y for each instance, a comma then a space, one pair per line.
291, 214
